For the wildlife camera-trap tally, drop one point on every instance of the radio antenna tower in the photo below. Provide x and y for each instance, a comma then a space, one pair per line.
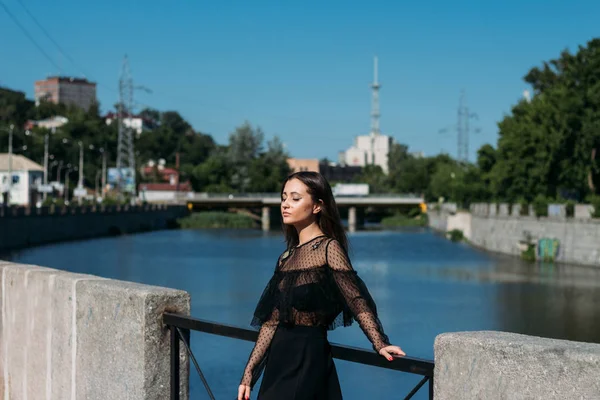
375, 102
125, 150
375, 86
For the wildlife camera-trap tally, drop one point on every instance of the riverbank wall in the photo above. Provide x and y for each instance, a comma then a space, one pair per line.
498, 228
25, 227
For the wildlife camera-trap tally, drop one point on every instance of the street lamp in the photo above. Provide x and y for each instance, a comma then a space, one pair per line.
69, 169
9, 188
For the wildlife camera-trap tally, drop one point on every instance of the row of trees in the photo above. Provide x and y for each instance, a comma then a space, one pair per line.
547, 146
243, 165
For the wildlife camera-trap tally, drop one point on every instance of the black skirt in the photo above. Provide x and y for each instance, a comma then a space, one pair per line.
299, 366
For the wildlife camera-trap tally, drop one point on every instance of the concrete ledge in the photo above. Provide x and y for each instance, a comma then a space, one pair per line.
499, 365
73, 336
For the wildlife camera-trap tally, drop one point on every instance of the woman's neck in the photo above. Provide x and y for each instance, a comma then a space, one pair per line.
308, 232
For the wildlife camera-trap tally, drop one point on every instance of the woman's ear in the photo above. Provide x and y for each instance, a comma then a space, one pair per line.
318, 207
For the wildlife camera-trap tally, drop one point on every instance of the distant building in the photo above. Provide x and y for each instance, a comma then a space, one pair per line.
162, 192
135, 122
331, 171
48, 123
162, 173
26, 176
65, 90
339, 173
372, 149
303, 164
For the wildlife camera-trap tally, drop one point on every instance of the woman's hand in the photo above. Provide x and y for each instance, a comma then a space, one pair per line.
243, 392
387, 352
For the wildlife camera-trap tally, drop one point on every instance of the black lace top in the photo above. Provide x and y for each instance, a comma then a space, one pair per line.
314, 284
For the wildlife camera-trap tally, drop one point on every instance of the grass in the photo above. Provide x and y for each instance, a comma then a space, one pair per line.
216, 220
399, 220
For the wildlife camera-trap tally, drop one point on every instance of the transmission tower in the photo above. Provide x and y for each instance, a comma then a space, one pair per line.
125, 149
463, 128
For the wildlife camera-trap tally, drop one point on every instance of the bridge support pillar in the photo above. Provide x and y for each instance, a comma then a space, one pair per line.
352, 219
266, 219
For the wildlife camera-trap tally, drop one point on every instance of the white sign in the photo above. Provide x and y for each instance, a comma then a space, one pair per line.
79, 192
45, 188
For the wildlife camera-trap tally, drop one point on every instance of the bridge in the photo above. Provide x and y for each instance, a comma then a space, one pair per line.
269, 203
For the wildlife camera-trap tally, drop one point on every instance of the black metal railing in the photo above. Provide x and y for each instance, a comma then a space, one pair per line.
180, 327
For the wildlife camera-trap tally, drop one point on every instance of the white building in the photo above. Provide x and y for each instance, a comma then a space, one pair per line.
48, 123
26, 176
370, 149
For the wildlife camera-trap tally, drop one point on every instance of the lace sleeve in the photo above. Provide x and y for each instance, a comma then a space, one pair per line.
258, 356
357, 301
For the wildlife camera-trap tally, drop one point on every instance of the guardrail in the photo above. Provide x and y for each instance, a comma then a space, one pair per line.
180, 327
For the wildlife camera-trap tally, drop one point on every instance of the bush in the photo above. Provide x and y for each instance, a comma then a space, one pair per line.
570, 208
540, 206
399, 220
414, 212
524, 211
529, 254
455, 235
595, 202
216, 219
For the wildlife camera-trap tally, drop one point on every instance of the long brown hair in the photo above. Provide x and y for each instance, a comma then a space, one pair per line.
328, 218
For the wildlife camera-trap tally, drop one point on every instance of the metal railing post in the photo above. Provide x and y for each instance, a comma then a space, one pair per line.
431, 388
175, 384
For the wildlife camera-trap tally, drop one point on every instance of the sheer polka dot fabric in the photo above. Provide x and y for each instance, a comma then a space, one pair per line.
313, 284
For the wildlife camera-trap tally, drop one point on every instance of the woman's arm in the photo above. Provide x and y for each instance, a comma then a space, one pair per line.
256, 361
357, 300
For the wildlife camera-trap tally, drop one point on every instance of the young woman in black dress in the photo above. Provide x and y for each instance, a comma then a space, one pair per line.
313, 289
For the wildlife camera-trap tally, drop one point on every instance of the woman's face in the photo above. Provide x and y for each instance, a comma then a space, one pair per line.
297, 205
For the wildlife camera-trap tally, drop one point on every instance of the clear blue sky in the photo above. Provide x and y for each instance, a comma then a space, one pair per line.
301, 70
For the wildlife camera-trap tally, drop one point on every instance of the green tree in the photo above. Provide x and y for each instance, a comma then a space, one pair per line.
245, 145
548, 146
270, 168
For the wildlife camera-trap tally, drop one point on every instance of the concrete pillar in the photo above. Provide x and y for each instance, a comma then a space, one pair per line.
74, 336
352, 219
266, 219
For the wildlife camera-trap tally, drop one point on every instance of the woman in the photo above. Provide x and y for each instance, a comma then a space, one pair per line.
314, 289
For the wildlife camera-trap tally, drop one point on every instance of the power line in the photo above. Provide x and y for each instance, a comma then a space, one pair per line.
16, 21
63, 52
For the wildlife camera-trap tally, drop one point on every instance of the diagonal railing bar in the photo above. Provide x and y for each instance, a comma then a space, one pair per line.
187, 347
416, 388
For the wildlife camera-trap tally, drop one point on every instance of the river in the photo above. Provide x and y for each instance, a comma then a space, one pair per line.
422, 283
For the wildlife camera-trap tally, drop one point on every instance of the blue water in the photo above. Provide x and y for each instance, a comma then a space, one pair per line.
423, 285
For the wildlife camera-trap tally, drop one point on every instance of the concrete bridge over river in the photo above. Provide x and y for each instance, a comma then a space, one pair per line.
267, 204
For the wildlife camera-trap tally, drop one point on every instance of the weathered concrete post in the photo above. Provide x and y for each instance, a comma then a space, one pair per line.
73, 336
500, 365
352, 219
266, 219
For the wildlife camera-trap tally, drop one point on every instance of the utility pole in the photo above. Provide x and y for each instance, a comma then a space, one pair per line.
80, 181
104, 154
10, 151
125, 150
46, 140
